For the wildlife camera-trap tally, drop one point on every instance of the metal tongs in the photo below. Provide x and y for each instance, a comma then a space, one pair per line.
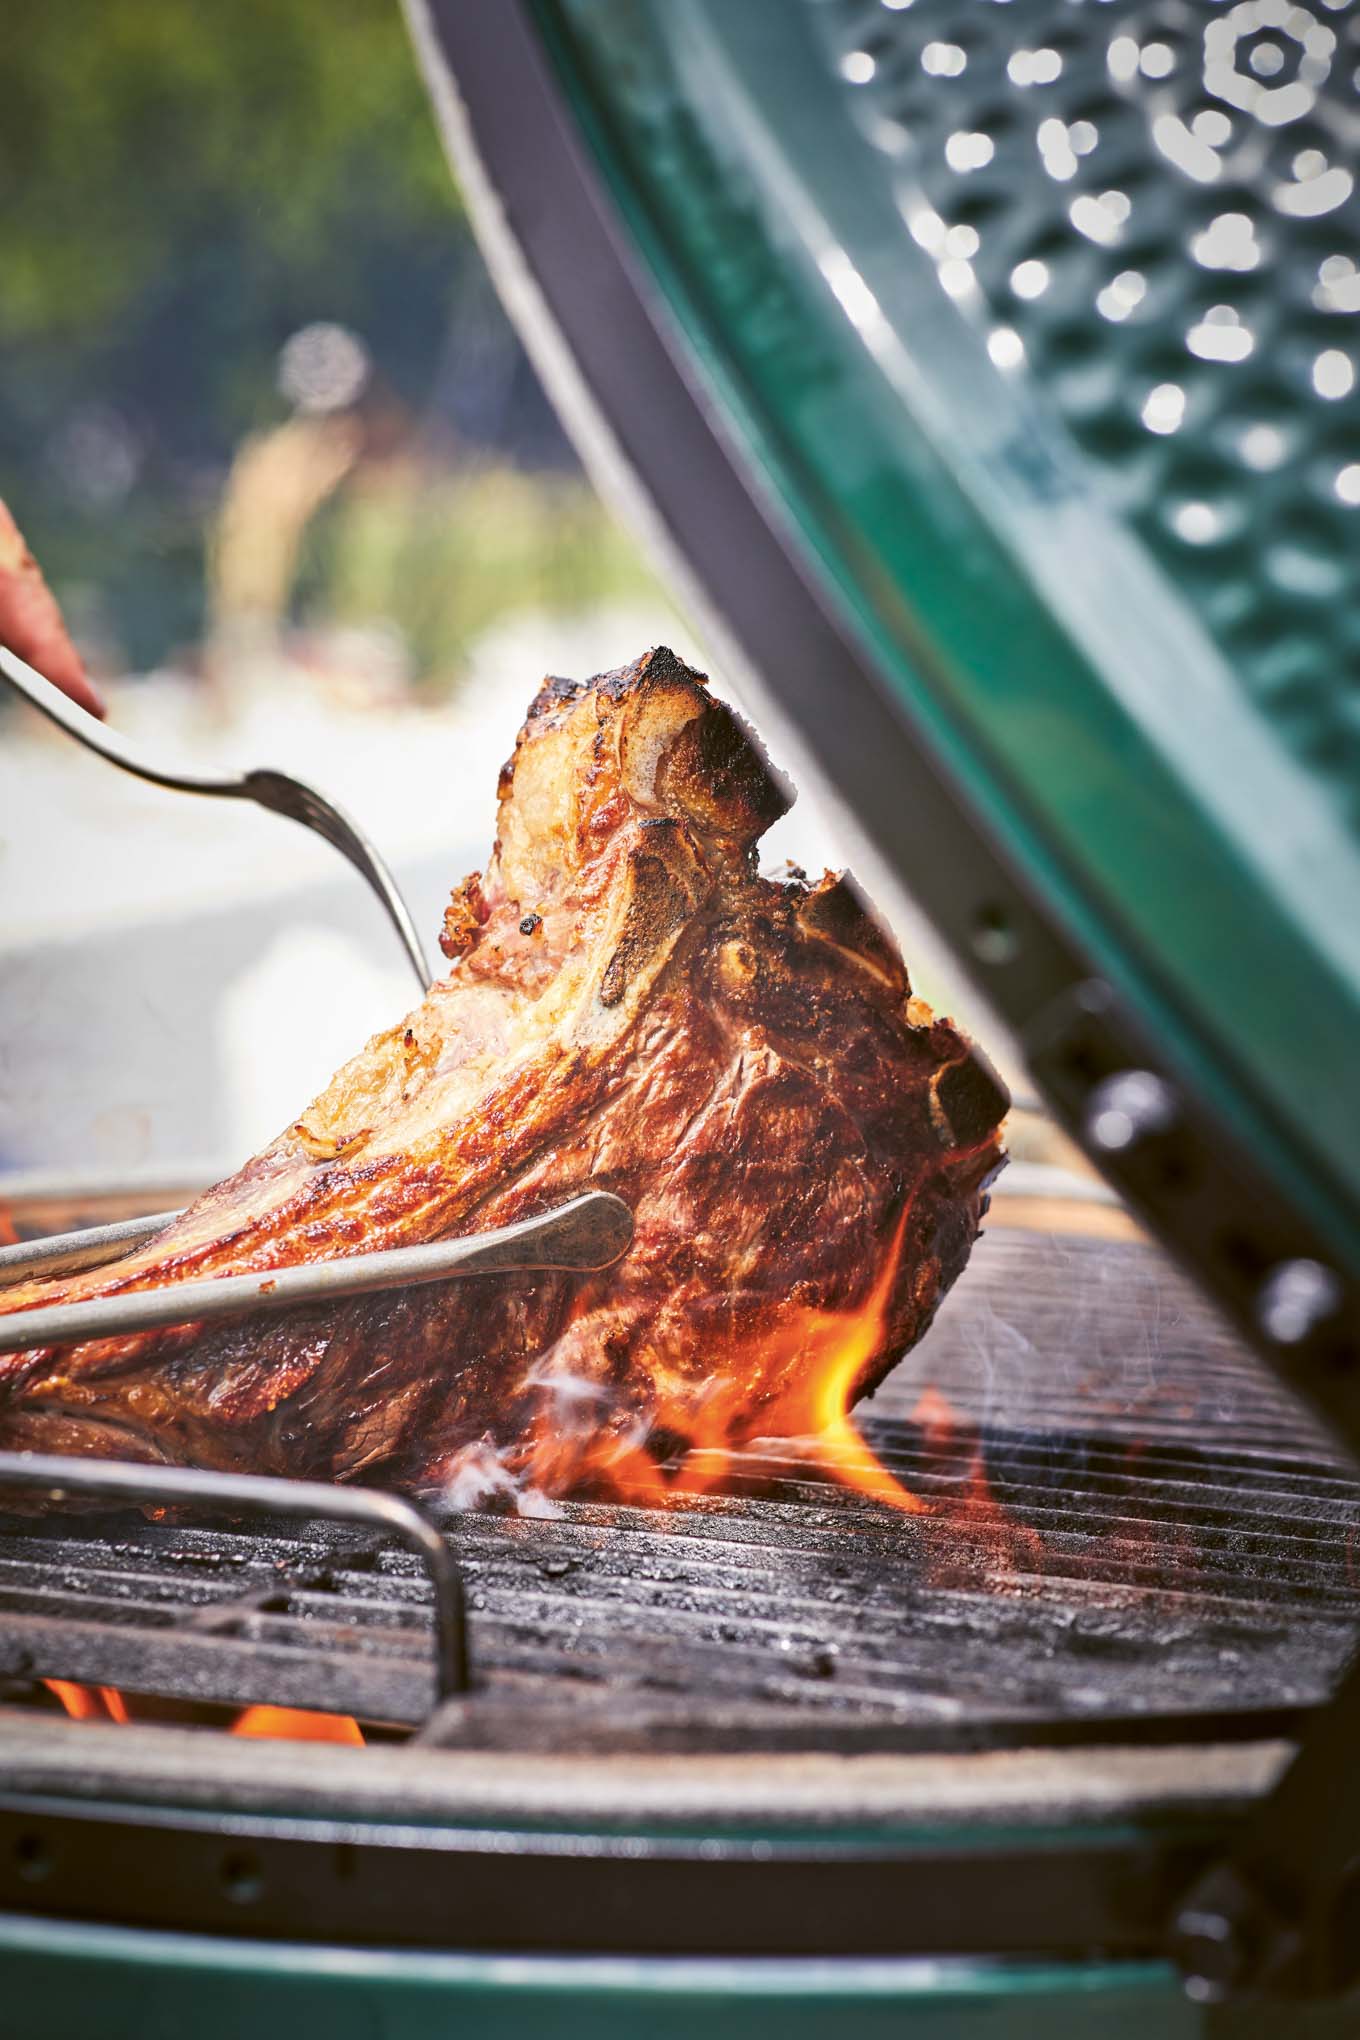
589, 1232
267, 788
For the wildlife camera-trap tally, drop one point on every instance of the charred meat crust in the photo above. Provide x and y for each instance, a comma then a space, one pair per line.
627, 1004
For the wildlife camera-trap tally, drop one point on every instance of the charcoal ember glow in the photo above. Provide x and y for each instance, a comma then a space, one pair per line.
628, 1005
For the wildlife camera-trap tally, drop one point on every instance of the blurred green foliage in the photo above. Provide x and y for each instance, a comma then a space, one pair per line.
135, 131
183, 186
451, 554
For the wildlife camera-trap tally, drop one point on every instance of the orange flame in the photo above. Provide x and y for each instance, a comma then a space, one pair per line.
833, 1350
298, 1724
971, 1505
292, 1724
88, 1703
797, 1381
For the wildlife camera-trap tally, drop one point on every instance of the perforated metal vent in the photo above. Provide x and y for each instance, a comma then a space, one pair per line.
1153, 212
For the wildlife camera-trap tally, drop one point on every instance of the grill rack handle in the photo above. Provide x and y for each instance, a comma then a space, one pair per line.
57, 1475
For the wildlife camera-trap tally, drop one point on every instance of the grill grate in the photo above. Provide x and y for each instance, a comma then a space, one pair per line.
1162, 1535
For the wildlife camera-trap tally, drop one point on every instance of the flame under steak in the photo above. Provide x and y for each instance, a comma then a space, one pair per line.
628, 1005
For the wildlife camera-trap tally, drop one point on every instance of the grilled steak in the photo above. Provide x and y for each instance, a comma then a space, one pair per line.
628, 1005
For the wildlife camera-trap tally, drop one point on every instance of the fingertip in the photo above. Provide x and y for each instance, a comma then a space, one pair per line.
85, 694
57, 659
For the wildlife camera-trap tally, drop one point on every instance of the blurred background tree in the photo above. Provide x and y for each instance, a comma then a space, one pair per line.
182, 190
266, 426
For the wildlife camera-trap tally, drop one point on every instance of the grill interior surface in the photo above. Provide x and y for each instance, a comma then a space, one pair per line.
1161, 1533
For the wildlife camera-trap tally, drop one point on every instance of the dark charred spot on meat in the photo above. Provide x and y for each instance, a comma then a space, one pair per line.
659, 664
666, 1446
655, 905
531, 924
718, 774
408, 1039
968, 1100
837, 911
555, 693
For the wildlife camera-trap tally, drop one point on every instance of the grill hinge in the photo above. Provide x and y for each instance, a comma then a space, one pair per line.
1279, 1917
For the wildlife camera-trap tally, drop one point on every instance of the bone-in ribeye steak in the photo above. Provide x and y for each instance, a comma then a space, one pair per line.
628, 1005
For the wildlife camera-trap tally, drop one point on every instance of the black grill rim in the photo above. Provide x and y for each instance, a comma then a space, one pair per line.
376, 1884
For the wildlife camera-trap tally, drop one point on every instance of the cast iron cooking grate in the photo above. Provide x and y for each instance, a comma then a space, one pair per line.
1127, 1522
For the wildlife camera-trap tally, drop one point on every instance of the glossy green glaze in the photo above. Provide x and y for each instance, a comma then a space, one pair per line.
1066, 671
74, 1983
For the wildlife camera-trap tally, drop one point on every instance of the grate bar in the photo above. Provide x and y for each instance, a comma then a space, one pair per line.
1144, 1553
56, 1478
809, 1599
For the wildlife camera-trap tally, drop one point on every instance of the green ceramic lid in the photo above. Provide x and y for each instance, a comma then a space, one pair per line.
990, 372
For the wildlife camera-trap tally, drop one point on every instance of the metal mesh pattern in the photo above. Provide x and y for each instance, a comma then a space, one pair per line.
1125, 1522
1152, 211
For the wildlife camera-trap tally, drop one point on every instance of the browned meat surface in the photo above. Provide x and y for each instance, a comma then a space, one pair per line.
628, 1005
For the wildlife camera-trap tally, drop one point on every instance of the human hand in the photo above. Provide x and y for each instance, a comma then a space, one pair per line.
31, 623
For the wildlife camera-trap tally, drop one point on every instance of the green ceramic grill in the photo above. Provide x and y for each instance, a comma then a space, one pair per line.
984, 376
987, 376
